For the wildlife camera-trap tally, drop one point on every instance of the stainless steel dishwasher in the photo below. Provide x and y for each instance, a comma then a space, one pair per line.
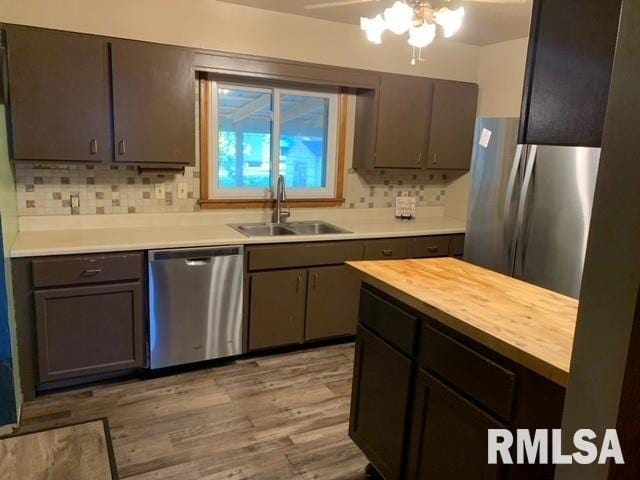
195, 303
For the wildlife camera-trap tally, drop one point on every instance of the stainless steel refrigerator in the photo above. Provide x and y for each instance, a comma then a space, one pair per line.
529, 207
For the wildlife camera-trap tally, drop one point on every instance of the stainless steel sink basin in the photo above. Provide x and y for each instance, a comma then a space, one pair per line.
292, 228
314, 228
263, 230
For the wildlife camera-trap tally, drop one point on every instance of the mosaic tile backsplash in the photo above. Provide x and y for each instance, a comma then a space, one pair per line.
104, 189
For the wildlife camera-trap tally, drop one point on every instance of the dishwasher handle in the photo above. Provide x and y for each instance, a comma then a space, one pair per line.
198, 262
202, 255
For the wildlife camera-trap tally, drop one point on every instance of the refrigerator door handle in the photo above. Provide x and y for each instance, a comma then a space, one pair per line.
522, 210
508, 236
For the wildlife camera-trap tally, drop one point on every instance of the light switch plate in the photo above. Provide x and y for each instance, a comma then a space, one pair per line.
159, 191
182, 190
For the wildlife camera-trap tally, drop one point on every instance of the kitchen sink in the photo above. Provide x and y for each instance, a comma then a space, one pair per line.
290, 228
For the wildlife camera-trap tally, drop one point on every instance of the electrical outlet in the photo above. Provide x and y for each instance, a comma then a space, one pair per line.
75, 203
182, 190
159, 191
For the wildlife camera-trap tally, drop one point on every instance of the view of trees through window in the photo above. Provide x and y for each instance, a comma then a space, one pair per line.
248, 119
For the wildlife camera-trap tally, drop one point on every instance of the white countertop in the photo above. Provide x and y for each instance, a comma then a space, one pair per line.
111, 233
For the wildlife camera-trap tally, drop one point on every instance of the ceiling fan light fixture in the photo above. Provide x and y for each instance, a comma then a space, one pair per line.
399, 17
373, 27
422, 35
449, 20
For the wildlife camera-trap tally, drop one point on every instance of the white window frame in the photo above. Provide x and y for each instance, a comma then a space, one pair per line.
326, 192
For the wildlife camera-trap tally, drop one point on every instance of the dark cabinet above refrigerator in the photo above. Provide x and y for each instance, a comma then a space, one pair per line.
569, 62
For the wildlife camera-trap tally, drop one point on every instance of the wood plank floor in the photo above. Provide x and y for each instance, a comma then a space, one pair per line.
278, 417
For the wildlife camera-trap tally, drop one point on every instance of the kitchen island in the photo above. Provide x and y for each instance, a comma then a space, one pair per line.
446, 350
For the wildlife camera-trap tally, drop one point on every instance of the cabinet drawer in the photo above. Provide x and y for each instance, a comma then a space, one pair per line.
303, 255
488, 383
424, 247
388, 321
388, 248
54, 272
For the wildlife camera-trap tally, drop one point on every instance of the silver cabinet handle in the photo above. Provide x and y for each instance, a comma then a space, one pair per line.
298, 282
435, 157
93, 146
315, 281
387, 252
91, 272
432, 249
419, 158
122, 147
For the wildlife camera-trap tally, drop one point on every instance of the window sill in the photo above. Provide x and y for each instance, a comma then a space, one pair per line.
291, 203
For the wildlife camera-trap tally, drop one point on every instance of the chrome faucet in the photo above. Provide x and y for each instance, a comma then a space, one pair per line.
280, 213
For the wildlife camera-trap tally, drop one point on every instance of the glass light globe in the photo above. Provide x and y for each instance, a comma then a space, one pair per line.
423, 35
373, 27
399, 17
449, 20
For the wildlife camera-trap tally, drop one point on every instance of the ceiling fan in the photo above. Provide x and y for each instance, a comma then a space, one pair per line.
418, 17
344, 3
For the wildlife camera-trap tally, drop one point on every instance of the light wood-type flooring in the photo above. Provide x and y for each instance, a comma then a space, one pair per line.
275, 417
75, 452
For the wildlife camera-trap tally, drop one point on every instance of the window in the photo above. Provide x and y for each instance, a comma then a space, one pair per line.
258, 133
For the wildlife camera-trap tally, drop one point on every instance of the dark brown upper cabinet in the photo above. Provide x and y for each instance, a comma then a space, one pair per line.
415, 124
153, 103
59, 96
569, 62
404, 108
453, 119
63, 86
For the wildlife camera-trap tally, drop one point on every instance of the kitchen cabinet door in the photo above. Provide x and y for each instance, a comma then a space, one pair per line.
448, 435
568, 73
402, 131
332, 303
452, 125
59, 96
88, 330
380, 403
277, 308
153, 103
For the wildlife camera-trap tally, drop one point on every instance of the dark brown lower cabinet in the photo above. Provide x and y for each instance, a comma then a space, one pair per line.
277, 308
332, 303
86, 330
380, 403
448, 435
424, 397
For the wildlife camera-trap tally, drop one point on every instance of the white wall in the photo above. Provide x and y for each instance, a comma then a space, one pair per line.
500, 77
222, 26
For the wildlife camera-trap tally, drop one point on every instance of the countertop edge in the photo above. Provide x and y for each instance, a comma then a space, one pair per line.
512, 352
123, 246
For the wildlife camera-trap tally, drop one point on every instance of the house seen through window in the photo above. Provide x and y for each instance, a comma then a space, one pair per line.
260, 133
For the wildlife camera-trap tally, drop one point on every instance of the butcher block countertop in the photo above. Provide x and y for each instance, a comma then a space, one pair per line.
527, 324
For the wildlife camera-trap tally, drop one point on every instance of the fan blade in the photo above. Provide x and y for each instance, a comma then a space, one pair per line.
338, 3
515, 2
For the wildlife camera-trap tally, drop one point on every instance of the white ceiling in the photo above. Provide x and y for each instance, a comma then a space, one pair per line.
484, 23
